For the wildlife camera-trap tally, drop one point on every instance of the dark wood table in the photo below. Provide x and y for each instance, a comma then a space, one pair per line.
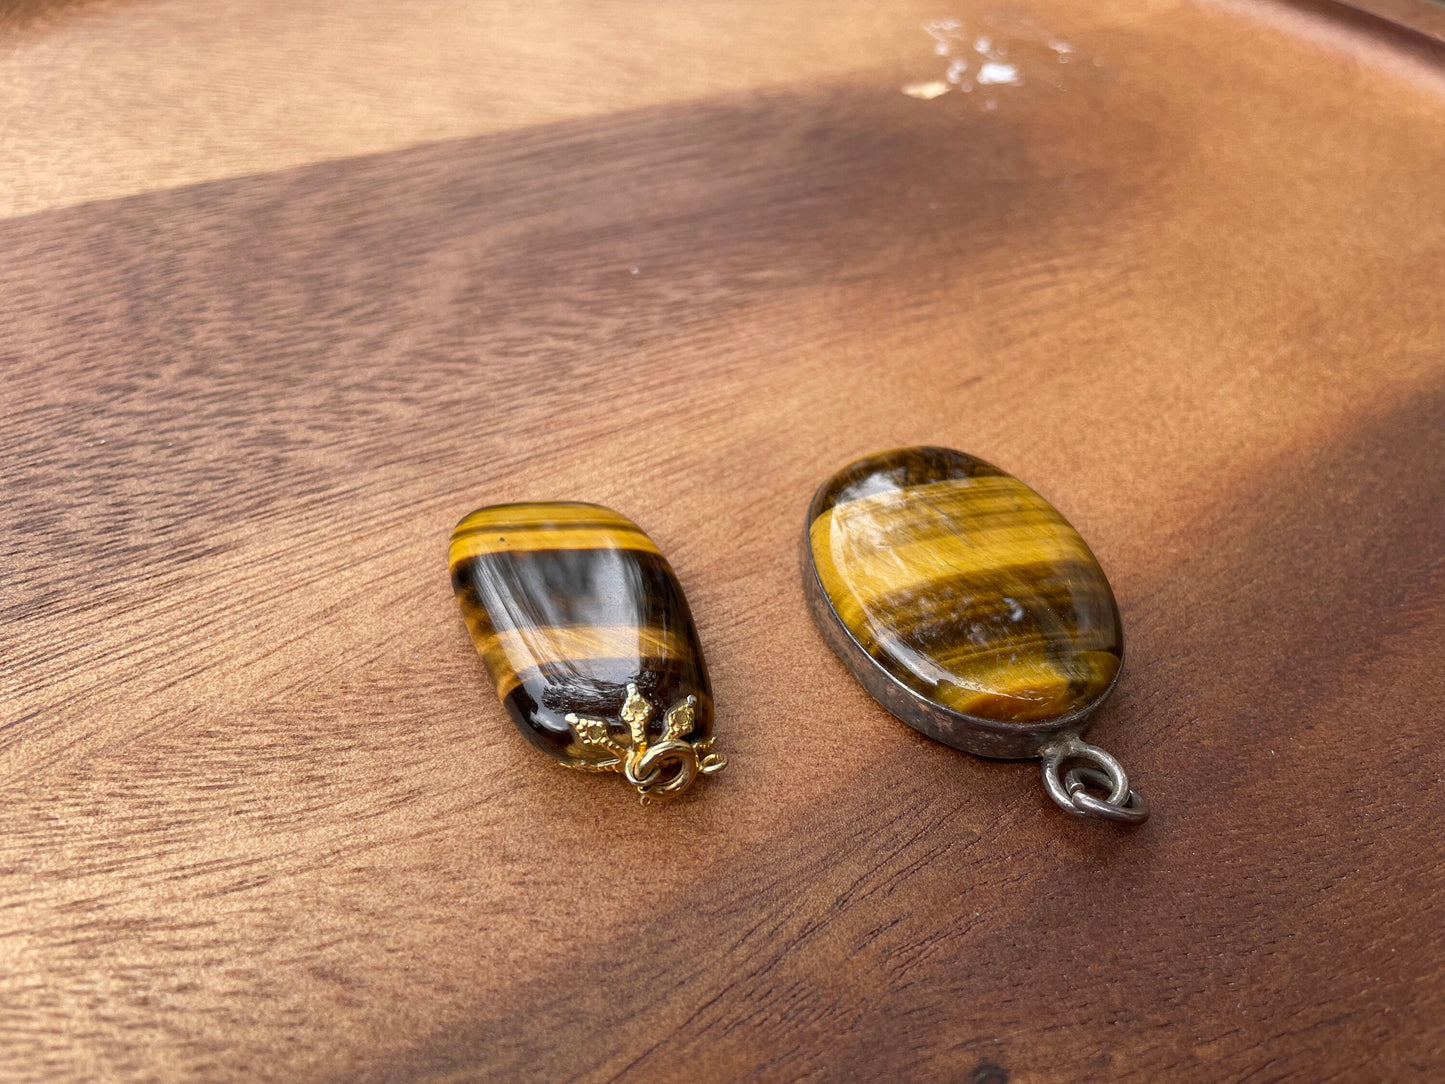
290, 287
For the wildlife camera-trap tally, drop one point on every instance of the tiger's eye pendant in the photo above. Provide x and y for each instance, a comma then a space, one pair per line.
973, 611
587, 636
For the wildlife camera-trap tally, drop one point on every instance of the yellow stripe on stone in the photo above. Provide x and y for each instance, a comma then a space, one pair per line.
1011, 527
545, 526
542, 514
513, 540
1027, 687
513, 652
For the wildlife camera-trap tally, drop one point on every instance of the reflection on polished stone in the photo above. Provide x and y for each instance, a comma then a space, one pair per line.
587, 636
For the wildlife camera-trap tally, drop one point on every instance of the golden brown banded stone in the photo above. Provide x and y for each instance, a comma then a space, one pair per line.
587, 636
961, 599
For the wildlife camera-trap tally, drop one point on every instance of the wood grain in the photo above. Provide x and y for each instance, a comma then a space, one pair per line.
264, 819
244, 86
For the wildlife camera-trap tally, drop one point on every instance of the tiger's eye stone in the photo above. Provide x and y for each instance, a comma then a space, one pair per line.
585, 633
961, 599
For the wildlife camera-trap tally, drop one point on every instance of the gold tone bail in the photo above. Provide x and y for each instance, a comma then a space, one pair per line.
663, 768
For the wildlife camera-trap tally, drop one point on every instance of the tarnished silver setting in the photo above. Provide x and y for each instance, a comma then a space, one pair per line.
1056, 739
1071, 793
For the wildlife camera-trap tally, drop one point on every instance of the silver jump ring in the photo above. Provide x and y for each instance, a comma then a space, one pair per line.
1070, 794
1134, 810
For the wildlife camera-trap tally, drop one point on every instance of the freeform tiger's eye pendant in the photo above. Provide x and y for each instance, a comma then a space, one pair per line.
971, 610
587, 636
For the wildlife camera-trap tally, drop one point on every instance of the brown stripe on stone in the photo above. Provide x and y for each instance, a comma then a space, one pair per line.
564, 588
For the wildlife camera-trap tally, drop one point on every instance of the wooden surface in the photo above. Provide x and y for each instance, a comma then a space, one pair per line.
288, 288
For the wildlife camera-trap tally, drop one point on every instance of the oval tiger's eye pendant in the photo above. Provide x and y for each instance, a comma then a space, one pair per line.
973, 611
587, 636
